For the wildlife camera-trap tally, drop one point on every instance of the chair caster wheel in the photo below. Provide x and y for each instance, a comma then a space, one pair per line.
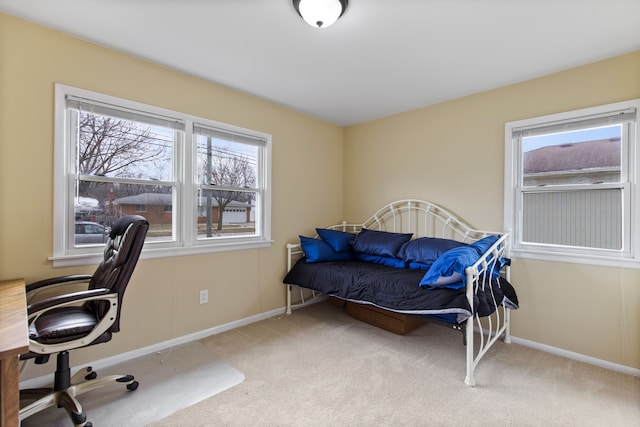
134, 385
80, 419
91, 376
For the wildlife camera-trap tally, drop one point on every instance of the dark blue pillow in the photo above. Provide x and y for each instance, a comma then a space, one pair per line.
383, 243
340, 241
426, 249
418, 265
455, 260
378, 259
316, 250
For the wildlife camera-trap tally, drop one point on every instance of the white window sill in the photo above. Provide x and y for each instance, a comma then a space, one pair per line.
152, 253
618, 262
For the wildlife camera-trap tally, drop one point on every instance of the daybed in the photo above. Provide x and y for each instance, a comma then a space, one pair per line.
411, 260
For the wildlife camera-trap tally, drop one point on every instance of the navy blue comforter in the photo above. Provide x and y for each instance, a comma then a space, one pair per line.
397, 289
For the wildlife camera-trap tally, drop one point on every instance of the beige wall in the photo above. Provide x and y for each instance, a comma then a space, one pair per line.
453, 154
162, 300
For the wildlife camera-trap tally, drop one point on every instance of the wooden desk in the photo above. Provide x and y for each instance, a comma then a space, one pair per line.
14, 340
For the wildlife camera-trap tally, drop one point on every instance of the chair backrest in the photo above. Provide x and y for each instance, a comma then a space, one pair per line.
121, 254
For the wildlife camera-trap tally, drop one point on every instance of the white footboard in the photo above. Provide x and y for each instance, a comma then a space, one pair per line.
425, 219
487, 329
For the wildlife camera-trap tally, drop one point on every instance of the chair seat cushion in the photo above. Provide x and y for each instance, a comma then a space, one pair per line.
62, 324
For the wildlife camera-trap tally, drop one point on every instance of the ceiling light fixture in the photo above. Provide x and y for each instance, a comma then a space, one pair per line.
320, 13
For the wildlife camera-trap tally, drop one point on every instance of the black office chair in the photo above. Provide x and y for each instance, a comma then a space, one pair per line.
59, 322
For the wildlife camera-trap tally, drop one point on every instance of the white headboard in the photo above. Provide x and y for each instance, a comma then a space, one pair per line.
423, 219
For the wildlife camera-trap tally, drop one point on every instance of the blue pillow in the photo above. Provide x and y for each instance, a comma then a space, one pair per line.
482, 246
340, 241
316, 250
426, 249
383, 260
383, 243
485, 243
455, 260
455, 281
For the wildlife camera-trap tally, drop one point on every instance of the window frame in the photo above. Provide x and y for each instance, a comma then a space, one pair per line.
184, 209
629, 255
204, 130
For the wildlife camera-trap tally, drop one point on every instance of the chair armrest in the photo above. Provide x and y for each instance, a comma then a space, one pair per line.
58, 280
65, 299
50, 287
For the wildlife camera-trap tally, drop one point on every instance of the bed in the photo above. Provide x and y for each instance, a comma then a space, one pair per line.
411, 260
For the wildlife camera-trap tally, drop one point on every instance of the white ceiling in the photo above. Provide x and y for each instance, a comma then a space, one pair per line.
382, 57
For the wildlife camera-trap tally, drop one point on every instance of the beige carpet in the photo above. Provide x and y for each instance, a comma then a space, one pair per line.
319, 367
169, 381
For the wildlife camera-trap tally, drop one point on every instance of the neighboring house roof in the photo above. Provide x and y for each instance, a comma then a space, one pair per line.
574, 156
162, 199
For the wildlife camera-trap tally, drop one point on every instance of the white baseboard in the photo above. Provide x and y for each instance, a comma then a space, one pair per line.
577, 356
45, 380
113, 360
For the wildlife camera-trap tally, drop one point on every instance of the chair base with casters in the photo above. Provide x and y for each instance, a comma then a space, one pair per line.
65, 389
77, 311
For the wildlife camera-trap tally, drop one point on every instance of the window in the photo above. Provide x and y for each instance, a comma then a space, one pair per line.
189, 176
227, 179
571, 186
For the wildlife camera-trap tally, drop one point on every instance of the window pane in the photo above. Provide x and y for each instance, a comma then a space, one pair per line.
585, 218
114, 147
226, 213
226, 163
578, 157
90, 233
104, 202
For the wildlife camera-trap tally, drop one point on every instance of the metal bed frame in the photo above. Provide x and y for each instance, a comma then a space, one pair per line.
426, 219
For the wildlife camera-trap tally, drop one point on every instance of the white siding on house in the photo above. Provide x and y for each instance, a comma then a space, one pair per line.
589, 218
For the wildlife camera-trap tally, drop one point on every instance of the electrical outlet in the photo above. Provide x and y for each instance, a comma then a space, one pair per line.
204, 296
